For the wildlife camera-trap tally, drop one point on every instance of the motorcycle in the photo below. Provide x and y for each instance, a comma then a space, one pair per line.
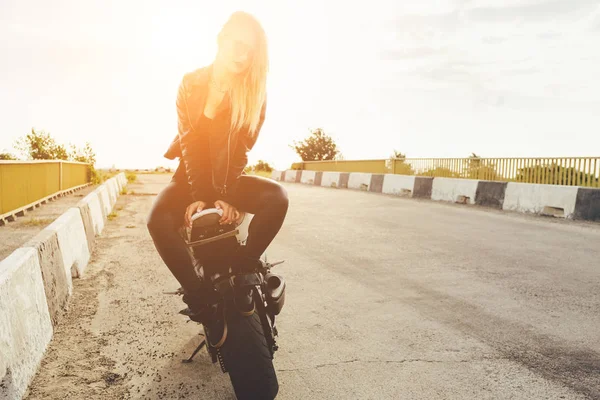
239, 323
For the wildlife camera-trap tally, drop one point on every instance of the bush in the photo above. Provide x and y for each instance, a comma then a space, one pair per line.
131, 177
7, 156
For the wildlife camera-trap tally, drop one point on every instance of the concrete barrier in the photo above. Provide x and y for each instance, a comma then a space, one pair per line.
73, 243
399, 185
308, 177
330, 179
490, 194
277, 175
290, 176
92, 201
88, 224
318, 178
344, 179
423, 187
117, 184
25, 327
454, 190
553, 200
102, 193
57, 283
359, 180
376, 184
36, 282
120, 183
113, 192
567, 201
587, 205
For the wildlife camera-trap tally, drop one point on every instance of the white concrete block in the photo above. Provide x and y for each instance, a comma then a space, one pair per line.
290, 175
102, 192
308, 177
359, 180
276, 175
111, 189
73, 243
454, 190
25, 326
122, 180
119, 184
93, 201
402, 185
536, 198
330, 179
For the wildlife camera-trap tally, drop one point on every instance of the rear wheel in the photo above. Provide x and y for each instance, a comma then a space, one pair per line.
247, 357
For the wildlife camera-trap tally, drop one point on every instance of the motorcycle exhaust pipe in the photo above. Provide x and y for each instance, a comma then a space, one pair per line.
275, 293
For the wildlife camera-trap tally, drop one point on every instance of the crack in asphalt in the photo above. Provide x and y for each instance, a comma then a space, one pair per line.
403, 361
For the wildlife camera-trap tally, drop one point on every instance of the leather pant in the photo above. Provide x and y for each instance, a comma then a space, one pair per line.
264, 198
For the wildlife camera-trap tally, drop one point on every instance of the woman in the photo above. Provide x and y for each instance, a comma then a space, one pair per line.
220, 109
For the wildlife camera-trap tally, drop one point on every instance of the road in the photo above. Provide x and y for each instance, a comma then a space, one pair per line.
388, 298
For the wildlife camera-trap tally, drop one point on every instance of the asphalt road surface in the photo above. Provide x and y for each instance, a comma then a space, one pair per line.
388, 298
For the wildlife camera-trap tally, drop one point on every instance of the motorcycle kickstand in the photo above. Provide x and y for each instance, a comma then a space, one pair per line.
200, 346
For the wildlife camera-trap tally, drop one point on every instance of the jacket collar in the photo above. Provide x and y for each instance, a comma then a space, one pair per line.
199, 84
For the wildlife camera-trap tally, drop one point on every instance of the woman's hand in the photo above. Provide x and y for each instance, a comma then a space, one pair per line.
193, 208
230, 213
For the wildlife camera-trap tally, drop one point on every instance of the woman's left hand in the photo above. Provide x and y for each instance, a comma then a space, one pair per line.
230, 213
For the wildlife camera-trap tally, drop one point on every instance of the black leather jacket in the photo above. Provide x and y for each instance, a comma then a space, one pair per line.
212, 171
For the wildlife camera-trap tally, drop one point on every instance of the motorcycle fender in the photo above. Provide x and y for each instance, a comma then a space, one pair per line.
243, 280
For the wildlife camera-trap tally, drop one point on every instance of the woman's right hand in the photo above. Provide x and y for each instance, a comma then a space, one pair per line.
193, 208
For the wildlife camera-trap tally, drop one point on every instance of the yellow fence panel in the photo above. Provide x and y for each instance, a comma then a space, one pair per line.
25, 182
579, 171
372, 166
74, 174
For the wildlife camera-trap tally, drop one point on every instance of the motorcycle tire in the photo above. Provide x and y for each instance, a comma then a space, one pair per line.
248, 358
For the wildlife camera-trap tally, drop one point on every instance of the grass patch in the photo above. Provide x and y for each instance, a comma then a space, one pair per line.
131, 176
112, 216
37, 221
99, 176
123, 191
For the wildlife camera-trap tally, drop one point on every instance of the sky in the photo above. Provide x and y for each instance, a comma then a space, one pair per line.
501, 78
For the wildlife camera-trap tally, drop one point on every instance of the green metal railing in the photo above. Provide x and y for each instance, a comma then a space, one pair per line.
571, 171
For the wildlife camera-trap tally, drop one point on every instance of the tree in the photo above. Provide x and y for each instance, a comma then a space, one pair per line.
85, 155
263, 166
260, 166
400, 166
397, 155
41, 146
316, 147
7, 156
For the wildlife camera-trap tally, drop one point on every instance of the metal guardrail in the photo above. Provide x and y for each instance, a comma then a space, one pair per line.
570, 171
23, 183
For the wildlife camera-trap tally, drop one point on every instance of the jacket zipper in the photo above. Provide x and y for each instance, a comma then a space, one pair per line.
228, 156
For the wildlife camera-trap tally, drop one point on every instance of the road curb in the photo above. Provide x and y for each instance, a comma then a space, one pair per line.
36, 282
541, 199
57, 284
454, 190
569, 202
25, 327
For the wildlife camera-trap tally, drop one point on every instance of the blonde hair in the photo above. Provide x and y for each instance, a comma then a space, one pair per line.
248, 92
